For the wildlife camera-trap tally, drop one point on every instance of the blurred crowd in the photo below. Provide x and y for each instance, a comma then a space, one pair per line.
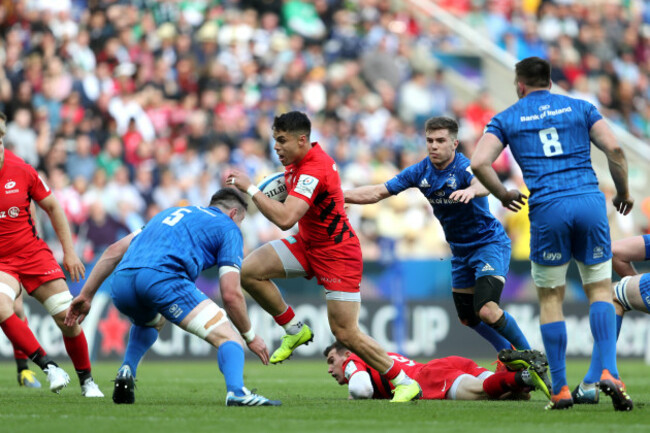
127, 107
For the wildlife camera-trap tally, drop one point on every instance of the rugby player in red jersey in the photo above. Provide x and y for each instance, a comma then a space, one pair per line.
325, 247
26, 260
450, 378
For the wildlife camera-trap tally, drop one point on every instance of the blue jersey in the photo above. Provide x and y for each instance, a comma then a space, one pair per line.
466, 226
184, 241
549, 138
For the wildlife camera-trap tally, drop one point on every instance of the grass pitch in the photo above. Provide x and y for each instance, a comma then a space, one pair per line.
189, 397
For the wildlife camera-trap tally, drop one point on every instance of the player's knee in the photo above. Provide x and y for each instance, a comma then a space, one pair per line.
345, 336
487, 296
207, 321
58, 303
464, 303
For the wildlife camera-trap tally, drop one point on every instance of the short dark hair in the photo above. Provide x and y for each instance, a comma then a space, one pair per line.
294, 122
534, 72
337, 345
228, 198
442, 122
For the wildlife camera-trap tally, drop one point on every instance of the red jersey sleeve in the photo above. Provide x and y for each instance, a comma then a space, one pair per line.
308, 185
38, 189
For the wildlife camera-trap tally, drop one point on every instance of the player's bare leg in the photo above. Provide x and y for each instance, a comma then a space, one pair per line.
55, 297
258, 268
210, 322
343, 319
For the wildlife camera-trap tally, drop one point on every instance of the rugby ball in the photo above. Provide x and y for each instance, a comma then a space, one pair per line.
274, 187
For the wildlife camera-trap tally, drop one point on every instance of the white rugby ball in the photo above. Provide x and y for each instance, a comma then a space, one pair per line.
274, 186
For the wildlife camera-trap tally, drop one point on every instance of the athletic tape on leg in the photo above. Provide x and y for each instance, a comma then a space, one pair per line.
620, 291
549, 277
57, 303
207, 320
594, 273
7, 290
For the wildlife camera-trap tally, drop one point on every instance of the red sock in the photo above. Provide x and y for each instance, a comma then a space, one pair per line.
20, 335
284, 318
77, 349
393, 371
19, 354
500, 383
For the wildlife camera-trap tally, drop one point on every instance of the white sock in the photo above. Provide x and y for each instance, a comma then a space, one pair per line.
401, 379
293, 327
587, 386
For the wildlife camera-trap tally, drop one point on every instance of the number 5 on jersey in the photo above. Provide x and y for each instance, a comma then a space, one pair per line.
551, 142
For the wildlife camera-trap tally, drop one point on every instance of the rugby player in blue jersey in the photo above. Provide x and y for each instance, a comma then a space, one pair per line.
549, 136
479, 244
155, 270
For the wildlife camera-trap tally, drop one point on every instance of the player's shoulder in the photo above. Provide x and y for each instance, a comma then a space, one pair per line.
16, 163
462, 162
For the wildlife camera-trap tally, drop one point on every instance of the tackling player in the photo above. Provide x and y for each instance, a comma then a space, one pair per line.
325, 247
631, 293
549, 136
27, 260
154, 280
480, 246
450, 378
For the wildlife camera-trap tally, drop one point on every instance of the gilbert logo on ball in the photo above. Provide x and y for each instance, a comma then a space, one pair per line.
274, 186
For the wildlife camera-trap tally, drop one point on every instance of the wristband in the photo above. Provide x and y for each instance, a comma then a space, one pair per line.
248, 335
252, 190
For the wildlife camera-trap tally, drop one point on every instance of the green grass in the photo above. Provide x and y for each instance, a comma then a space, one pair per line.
189, 397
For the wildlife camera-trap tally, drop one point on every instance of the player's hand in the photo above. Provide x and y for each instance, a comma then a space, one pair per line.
462, 195
239, 180
258, 347
513, 200
74, 266
78, 311
623, 204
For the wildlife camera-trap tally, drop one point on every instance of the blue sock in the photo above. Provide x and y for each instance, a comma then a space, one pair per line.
602, 318
231, 363
596, 367
511, 332
491, 335
555, 338
141, 338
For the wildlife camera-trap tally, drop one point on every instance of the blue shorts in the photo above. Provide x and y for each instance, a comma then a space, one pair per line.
644, 290
646, 240
491, 259
142, 293
571, 226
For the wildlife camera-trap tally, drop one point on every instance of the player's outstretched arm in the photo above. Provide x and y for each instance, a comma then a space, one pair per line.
475, 189
284, 215
604, 139
235, 305
106, 264
625, 251
487, 150
366, 194
71, 261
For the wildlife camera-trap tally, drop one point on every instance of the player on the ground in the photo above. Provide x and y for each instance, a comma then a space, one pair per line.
549, 136
325, 247
449, 378
480, 246
26, 260
155, 270
631, 293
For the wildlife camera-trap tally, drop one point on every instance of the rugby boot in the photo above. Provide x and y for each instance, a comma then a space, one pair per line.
615, 388
290, 342
561, 400
27, 378
124, 389
584, 394
249, 399
403, 393
57, 377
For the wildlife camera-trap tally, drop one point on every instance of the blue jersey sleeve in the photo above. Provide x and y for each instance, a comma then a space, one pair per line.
231, 251
464, 175
592, 115
495, 127
404, 180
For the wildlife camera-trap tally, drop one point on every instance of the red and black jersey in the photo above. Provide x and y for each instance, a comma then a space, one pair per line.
19, 184
315, 179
